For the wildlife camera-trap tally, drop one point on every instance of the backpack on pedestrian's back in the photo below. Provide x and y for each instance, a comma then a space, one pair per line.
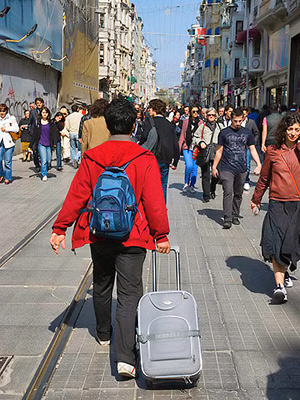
152, 143
113, 206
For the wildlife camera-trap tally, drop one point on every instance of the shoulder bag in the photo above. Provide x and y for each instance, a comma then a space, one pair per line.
204, 154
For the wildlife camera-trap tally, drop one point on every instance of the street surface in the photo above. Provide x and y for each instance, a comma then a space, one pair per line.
251, 349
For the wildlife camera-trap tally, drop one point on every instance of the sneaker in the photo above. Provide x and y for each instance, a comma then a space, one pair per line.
246, 186
227, 225
192, 189
102, 342
235, 221
279, 295
126, 370
185, 188
288, 283
44, 178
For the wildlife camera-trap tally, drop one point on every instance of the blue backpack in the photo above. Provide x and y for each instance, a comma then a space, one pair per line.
113, 206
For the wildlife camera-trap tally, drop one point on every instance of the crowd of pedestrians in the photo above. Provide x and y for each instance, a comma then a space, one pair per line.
220, 143
147, 142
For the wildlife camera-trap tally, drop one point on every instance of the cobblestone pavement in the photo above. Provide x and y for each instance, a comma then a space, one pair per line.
251, 349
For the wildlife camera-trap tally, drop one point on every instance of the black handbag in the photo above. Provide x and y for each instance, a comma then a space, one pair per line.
203, 156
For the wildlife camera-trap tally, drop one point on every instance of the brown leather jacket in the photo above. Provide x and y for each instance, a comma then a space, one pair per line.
275, 175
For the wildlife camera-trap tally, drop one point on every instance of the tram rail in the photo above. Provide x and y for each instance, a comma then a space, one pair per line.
45, 370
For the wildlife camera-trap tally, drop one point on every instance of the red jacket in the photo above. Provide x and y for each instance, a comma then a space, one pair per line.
274, 174
151, 222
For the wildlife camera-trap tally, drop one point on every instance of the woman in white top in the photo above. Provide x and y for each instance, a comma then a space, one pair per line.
8, 124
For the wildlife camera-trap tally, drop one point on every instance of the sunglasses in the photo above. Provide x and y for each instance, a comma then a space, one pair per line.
195, 112
211, 115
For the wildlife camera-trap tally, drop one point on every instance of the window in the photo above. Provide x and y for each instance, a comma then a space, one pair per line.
101, 54
101, 20
225, 71
237, 73
256, 48
227, 43
238, 27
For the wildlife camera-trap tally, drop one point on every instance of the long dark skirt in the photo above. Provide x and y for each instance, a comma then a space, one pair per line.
281, 233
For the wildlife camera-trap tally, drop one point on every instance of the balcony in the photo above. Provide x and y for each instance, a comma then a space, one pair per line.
271, 13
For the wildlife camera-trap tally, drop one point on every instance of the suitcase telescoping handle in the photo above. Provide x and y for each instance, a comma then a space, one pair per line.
177, 265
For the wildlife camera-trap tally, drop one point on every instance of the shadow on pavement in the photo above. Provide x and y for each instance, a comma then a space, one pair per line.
285, 383
256, 276
215, 215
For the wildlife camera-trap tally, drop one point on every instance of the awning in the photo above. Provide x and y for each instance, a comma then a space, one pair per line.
217, 30
207, 63
208, 32
216, 62
254, 34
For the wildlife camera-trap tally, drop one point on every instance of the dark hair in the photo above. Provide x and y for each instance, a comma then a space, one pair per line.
48, 111
120, 115
194, 106
237, 112
3, 107
280, 133
98, 107
74, 107
39, 99
228, 106
158, 106
60, 114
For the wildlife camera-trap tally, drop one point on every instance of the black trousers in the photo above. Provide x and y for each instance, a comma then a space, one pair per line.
209, 183
110, 258
233, 185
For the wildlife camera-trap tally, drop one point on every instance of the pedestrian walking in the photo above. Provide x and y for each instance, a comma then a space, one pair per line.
43, 140
25, 135
72, 127
251, 125
189, 127
226, 118
8, 126
269, 126
123, 257
232, 153
94, 131
34, 120
207, 134
280, 173
166, 148
65, 137
59, 124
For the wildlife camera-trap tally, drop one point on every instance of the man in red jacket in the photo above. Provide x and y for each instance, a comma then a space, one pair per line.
125, 257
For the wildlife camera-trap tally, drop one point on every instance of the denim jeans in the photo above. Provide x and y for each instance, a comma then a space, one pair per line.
6, 169
58, 155
45, 154
248, 166
191, 168
164, 176
75, 148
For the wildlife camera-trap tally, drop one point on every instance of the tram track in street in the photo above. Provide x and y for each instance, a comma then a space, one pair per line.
29, 237
46, 368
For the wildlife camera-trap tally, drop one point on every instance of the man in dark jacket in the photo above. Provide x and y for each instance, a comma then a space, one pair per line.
166, 149
124, 257
34, 118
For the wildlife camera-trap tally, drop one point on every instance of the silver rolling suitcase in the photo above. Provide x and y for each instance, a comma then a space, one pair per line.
168, 333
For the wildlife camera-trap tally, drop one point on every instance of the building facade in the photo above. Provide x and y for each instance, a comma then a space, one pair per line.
125, 61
